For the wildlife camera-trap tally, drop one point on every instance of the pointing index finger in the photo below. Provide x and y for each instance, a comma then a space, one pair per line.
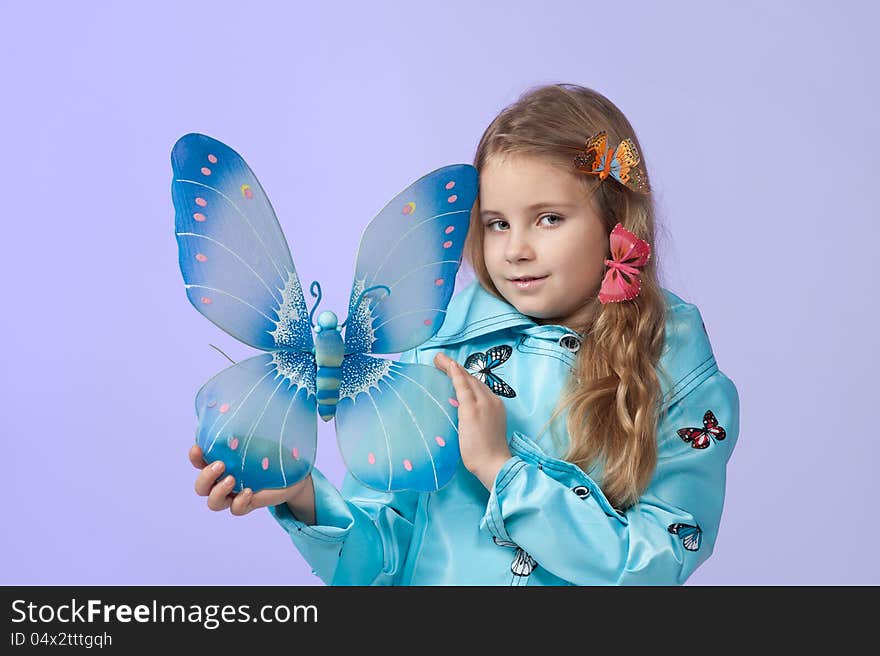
459, 377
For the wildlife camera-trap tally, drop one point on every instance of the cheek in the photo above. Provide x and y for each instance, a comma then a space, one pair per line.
585, 265
492, 254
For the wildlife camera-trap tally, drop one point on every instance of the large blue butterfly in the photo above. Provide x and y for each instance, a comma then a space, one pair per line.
396, 424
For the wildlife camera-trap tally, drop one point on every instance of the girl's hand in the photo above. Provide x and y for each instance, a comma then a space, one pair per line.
219, 493
482, 422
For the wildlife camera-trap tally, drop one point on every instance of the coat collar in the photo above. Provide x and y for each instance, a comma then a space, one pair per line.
474, 312
686, 360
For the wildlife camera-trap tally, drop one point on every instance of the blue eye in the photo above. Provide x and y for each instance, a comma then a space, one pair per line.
496, 225
556, 219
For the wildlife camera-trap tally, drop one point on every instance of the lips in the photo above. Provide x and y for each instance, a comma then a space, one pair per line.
527, 282
526, 278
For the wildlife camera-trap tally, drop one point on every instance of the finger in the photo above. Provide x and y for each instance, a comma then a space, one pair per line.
241, 504
205, 481
219, 498
441, 361
459, 377
265, 498
479, 389
195, 457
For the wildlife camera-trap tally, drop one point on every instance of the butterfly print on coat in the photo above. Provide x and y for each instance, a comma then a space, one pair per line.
523, 564
480, 366
690, 535
699, 437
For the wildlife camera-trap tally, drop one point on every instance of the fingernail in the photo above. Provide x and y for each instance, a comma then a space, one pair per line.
227, 480
217, 466
248, 491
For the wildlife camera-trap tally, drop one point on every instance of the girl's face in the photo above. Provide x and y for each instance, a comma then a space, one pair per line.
543, 242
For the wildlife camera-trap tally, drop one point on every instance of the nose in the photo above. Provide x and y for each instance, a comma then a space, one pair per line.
518, 247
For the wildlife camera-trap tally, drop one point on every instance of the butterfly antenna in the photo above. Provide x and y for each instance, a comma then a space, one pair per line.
315, 285
223, 354
360, 299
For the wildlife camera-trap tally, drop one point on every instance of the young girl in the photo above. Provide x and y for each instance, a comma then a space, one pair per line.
594, 424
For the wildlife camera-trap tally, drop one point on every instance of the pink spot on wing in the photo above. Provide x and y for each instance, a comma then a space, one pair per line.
201, 257
206, 300
295, 453
201, 202
248, 194
265, 464
407, 465
447, 244
439, 440
198, 216
427, 322
450, 185
438, 282
233, 443
206, 170
371, 459
409, 208
212, 159
449, 229
452, 198
453, 403
224, 408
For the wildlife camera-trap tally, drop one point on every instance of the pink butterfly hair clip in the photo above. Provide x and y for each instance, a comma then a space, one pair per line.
621, 281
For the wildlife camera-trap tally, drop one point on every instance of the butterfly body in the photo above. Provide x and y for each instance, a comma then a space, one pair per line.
395, 426
329, 353
602, 167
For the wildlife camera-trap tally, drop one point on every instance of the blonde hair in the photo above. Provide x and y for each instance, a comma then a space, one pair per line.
613, 396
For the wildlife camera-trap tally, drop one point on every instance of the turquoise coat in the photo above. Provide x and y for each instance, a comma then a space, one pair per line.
545, 521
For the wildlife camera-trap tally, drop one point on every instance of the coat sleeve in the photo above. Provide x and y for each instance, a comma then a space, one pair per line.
361, 535
559, 516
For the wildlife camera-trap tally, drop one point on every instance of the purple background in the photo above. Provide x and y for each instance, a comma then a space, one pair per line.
758, 125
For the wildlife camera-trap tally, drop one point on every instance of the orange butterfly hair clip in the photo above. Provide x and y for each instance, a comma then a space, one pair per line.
621, 163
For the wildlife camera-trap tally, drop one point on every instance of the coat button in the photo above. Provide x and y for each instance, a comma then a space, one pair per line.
570, 343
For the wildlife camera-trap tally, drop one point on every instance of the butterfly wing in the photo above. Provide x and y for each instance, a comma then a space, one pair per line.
590, 160
710, 424
413, 248
696, 436
691, 536
629, 249
396, 425
624, 166
498, 355
475, 364
233, 255
618, 286
523, 564
498, 386
258, 417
